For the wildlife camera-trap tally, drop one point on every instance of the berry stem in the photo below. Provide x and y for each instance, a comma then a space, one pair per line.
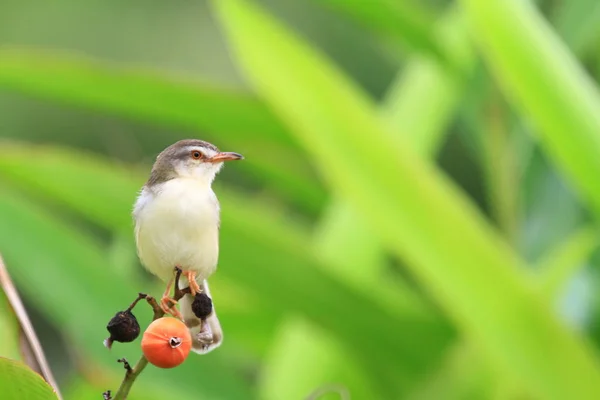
132, 373
140, 297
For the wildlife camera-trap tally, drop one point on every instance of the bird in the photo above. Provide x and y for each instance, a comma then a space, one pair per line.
177, 223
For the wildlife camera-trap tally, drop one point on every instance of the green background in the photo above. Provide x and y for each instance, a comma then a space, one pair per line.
415, 217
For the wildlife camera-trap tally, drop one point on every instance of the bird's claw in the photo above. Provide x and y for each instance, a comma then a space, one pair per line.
168, 304
194, 287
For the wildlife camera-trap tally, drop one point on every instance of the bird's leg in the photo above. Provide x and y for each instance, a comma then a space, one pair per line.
167, 303
194, 287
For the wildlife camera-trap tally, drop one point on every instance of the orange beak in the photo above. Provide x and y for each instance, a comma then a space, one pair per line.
225, 156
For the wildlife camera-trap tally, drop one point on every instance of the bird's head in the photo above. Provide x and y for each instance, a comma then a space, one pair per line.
190, 158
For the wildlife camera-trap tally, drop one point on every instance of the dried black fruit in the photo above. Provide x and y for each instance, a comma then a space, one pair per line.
202, 305
123, 327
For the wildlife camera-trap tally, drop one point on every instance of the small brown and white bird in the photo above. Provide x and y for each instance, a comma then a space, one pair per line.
177, 225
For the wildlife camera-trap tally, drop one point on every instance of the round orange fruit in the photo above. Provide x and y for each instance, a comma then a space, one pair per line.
166, 342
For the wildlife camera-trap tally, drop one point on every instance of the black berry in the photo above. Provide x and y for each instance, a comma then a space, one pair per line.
123, 327
202, 305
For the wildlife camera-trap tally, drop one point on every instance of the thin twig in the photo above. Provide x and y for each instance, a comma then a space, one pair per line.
132, 373
27, 328
140, 297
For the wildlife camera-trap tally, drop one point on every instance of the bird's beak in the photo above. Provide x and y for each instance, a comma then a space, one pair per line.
225, 156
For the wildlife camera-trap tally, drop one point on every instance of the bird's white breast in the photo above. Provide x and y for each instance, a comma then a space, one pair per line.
177, 224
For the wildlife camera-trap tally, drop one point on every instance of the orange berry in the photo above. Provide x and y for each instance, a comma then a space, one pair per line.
166, 342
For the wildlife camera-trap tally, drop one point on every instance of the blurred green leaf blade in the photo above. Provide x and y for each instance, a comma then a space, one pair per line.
404, 22
545, 81
419, 106
233, 119
73, 188
304, 359
578, 22
134, 92
421, 102
472, 273
562, 262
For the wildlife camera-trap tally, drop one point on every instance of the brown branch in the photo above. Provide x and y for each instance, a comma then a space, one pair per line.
132, 373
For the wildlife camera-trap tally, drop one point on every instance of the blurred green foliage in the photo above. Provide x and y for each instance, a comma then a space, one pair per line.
415, 217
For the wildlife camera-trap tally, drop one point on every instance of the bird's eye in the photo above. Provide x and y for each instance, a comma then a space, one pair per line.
197, 155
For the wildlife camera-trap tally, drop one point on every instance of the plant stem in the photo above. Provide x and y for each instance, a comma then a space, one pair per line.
130, 377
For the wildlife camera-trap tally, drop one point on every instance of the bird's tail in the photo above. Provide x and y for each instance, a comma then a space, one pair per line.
206, 334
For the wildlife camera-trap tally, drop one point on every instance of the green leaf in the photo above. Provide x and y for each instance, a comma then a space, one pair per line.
60, 177
403, 22
343, 241
19, 382
290, 370
413, 208
578, 22
305, 287
418, 107
235, 120
136, 93
420, 104
548, 86
551, 210
304, 358
461, 375
561, 263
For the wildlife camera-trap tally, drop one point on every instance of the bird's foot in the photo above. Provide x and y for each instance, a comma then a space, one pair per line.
168, 305
194, 287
